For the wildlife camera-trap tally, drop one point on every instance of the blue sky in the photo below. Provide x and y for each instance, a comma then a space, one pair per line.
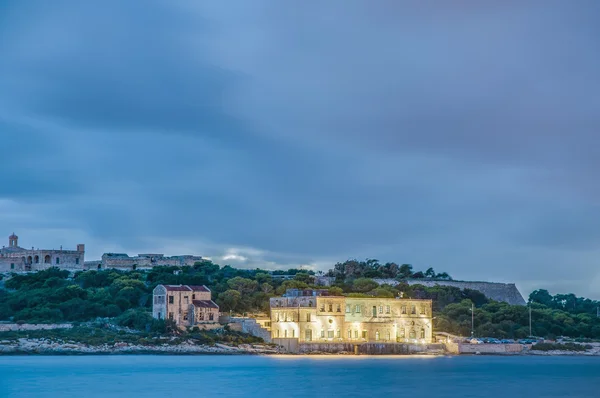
462, 135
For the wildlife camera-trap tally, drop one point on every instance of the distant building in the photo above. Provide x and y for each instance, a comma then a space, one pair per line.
187, 305
124, 262
18, 259
333, 319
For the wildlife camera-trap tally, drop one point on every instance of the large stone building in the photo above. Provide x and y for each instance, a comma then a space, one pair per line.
18, 259
313, 316
187, 305
124, 262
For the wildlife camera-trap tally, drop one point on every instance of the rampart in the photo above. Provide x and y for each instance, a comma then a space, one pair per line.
506, 292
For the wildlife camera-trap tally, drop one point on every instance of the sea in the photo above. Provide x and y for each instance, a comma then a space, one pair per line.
298, 376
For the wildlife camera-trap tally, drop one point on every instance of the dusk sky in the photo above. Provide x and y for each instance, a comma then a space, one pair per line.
460, 135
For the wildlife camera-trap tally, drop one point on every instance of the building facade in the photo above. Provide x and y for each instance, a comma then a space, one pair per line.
335, 319
18, 259
187, 305
141, 261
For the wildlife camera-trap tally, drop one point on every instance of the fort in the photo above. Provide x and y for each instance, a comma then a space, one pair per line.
141, 261
18, 259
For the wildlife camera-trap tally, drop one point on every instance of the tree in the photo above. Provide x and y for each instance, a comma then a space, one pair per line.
243, 285
364, 285
405, 271
430, 273
229, 300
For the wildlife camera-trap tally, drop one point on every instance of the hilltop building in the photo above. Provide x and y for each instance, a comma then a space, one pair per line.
124, 262
187, 305
313, 316
18, 259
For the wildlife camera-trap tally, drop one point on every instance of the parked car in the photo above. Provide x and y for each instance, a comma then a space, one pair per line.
476, 341
507, 341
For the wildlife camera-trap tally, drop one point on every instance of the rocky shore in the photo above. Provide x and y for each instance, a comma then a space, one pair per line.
48, 347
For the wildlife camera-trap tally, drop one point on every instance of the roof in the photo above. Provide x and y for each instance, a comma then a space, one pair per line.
205, 304
199, 288
186, 288
13, 236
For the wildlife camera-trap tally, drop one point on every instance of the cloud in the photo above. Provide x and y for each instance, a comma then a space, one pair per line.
461, 136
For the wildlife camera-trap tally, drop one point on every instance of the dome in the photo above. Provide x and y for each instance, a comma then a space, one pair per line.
13, 236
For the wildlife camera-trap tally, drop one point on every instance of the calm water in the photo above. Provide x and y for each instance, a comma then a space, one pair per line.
230, 376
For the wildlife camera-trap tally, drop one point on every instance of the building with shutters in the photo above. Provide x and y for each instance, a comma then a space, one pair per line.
313, 316
187, 305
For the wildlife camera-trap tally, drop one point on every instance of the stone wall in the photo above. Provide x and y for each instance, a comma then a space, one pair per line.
250, 326
506, 292
489, 348
37, 260
369, 348
11, 327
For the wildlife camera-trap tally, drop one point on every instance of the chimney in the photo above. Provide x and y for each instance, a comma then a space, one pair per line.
81, 247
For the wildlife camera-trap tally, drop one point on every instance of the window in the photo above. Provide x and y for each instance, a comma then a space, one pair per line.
186, 299
185, 316
387, 309
356, 334
330, 307
349, 334
404, 309
357, 309
211, 316
338, 334
422, 310
322, 334
57, 260
364, 334
171, 299
339, 308
308, 335
37, 259
422, 333
387, 335
330, 334
377, 335
160, 315
374, 311
322, 308
401, 333
201, 316
285, 333
12, 265
47, 259
193, 297
412, 334
381, 309
76, 260
413, 309
293, 333
308, 317
170, 315
277, 318
277, 333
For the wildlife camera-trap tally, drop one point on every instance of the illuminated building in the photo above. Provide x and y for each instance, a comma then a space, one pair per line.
312, 316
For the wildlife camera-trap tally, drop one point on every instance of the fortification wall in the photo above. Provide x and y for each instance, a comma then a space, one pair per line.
11, 327
144, 262
506, 292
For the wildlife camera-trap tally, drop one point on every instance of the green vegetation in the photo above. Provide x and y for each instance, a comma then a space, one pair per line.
100, 334
372, 268
561, 347
125, 298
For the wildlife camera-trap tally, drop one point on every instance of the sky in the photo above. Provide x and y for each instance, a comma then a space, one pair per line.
459, 135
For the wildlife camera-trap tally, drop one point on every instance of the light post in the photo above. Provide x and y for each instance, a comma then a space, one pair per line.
472, 320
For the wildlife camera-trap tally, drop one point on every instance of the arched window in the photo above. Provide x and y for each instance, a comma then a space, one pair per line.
377, 335
23, 259
99, 266
57, 260
47, 259
412, 334
29, 260
36, 259
422, 333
